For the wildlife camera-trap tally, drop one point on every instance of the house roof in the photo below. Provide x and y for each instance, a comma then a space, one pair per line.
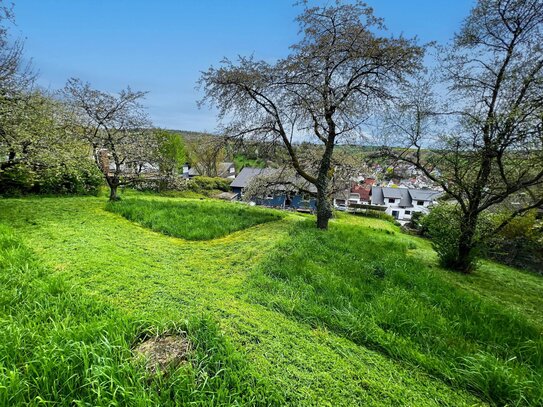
223, 170
246, 175
227, 196
363, 191
377, 197
392, 192
423, 194
406, 195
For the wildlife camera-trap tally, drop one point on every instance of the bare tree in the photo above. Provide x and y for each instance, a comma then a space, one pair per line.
206, 154
489, 144
322, 92
117, 128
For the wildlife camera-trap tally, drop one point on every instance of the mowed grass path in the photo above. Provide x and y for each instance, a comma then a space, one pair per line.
309, 359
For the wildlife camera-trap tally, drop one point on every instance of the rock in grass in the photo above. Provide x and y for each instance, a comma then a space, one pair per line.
163, 352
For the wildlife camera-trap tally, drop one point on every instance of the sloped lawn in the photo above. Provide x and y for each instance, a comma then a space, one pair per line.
371, 287
278, 314
61, 347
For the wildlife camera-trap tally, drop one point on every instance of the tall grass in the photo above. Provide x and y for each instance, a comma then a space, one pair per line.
369, 286
59, 347
192, 220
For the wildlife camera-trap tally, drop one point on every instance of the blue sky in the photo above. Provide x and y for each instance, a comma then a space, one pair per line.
162, 46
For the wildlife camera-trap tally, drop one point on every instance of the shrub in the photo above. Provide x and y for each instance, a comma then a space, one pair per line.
16, 180
520, 243
62, 179
83, 178
418, 224
162, 184
201, 183
443, 226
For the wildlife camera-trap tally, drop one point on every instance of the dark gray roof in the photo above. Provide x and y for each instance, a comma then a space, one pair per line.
407, 196
424, 194
223, 170
377, 197
405, 201
392, 192
246, 175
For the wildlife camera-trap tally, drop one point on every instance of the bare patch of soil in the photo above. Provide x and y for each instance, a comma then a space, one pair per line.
163, 352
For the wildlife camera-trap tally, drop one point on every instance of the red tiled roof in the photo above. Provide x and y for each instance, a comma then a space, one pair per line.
363, 191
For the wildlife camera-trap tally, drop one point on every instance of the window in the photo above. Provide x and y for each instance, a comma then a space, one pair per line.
269, 196
395, 214
420, 203
391, 200
408, 212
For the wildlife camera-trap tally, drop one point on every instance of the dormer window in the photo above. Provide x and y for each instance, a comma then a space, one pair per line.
391, 200
420, 203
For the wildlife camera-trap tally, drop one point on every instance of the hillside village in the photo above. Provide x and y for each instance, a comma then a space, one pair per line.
354, 216
397, 197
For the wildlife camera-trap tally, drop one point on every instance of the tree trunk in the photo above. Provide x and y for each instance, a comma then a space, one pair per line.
465, 257
113, 185
113, 193
324, 208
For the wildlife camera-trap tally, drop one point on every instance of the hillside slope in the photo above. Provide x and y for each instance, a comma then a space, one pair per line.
359, 315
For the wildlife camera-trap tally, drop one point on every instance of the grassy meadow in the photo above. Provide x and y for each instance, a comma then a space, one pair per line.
277, 312
192, 220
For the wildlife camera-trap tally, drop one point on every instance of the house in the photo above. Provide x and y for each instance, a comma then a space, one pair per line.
224, 170
139, 168
361, 193
280, 194
341, 199
401, 203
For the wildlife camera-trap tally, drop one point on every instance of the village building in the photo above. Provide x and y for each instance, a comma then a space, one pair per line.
224, 170
401, 203
284, 194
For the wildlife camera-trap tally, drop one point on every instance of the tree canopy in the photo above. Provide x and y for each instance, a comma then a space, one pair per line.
322, 91
484, 144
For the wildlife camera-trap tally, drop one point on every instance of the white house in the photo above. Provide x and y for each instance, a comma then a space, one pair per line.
401, 203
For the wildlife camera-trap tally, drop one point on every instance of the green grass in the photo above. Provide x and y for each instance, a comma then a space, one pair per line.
371, 288
192, 220
58, 346
358, 315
